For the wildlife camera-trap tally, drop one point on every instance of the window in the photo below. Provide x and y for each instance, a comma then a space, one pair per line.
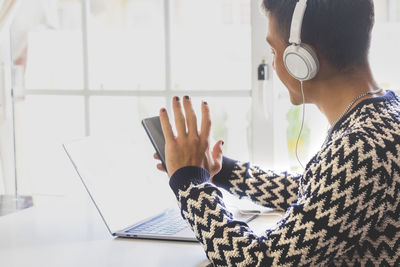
48, 81
126, 45
211, 45
384, 56
98, 67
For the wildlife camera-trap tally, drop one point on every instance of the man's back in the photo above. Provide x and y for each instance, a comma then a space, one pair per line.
370, 199
344, 209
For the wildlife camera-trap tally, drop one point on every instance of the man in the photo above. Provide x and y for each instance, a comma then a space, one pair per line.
344, 210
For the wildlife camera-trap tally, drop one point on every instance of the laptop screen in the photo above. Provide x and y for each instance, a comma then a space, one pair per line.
121, 177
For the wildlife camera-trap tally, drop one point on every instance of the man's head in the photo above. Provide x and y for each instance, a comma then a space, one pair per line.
338, 30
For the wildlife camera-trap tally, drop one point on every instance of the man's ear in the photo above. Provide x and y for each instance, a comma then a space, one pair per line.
326, 69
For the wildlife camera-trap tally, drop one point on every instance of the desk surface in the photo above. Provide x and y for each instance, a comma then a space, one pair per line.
59, 231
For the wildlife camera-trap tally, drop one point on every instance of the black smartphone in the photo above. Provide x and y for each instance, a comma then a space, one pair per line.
153, 129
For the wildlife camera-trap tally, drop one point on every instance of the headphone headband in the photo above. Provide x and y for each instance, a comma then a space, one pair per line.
297, 22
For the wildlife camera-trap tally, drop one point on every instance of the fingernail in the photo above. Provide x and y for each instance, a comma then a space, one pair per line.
163, 110
176, 99
187, 97
205, 102
223, 143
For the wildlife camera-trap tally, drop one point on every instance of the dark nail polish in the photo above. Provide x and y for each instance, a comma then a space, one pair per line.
223, 142
187, 97
176, 98
205, 103
163, 110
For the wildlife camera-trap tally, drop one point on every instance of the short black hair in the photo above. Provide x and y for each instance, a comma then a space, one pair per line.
339, 29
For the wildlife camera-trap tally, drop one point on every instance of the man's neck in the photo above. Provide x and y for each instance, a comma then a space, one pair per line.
332, 96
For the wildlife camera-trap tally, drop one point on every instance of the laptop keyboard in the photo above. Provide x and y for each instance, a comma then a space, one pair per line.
168, 223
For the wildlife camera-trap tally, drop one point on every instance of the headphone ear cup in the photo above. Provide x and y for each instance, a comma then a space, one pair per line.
301, 62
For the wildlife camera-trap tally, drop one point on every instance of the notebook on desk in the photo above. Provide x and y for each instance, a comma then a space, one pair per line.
132, 199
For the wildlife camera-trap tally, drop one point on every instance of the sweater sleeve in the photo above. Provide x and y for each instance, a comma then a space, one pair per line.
266, 188
335, 212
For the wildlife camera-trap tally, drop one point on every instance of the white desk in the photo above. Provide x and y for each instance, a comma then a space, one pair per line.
60, 232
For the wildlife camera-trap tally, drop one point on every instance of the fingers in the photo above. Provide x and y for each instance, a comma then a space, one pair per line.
217, 151
166, 125
205, 121
160, 167
191, 118
179, 118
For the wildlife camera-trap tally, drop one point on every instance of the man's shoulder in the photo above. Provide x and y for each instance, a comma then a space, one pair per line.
375, 122
376, 139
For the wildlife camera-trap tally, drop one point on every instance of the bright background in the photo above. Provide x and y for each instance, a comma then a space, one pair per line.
98, 67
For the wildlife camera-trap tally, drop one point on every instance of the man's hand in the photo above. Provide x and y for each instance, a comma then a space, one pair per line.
189, 147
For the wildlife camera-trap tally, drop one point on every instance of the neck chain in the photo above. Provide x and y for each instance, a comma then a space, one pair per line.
349, 107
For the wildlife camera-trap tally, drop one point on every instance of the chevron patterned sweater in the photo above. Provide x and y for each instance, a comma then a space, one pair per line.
343, 211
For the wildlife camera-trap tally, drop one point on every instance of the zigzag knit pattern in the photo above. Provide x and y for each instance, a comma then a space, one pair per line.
343, 211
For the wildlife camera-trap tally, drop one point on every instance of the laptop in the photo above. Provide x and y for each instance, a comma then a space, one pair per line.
132, 198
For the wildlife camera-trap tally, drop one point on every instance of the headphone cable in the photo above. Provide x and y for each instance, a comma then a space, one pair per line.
302, 124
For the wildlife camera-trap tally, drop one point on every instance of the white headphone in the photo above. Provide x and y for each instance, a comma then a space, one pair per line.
300, 59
